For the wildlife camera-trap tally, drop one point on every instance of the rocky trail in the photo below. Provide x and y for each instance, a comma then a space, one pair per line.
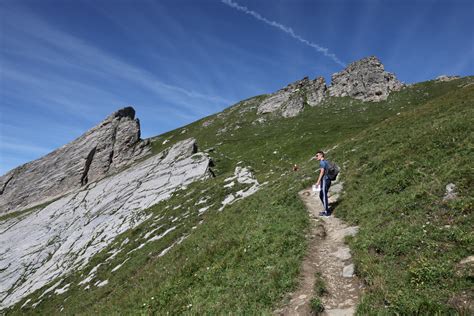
329, 257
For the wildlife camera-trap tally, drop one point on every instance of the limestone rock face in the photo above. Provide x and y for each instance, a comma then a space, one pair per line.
290, 100
365, 80
316, 91
65, 234
293, 107
103, 150
274, 102
444, 78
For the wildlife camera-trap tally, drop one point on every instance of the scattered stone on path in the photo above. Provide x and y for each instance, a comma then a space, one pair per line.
340, 311
325, 256
350, 231
343, 253
348, 271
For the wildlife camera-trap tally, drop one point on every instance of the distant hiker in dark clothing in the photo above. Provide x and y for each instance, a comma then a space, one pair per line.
323, 182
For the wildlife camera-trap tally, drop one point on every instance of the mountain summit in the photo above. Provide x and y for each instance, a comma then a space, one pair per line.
365, 80
103, 150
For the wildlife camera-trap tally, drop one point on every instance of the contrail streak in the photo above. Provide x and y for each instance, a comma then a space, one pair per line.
285, 29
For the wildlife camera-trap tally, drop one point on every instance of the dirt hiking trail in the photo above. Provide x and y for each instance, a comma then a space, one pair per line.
328, 255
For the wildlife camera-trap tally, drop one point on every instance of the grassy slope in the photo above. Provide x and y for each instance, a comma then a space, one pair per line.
411, 241
245, 258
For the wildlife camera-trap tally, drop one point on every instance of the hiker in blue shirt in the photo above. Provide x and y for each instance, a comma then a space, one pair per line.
324, 181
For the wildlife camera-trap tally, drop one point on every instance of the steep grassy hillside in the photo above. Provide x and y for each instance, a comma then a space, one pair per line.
412, 241
398, 155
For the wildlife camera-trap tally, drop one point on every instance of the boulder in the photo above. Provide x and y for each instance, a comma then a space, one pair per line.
348, 271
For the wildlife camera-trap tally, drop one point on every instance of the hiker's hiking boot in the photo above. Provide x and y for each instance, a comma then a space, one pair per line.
324, 214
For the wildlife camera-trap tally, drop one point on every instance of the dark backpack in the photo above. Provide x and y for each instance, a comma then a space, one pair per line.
333, 171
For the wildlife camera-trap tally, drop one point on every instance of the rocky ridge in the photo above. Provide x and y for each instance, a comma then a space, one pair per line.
445, 78
364, 80
103, 150
289, 101
65, 234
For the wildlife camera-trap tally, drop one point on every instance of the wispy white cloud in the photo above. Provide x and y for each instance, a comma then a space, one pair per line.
51, 77
53, 93
14, 151
285, 29
107, 65
209, 67
27, 148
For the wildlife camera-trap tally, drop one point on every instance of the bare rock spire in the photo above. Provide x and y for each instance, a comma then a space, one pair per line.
105, 149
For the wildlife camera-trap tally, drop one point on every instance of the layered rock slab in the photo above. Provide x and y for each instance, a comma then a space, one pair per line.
47, 243
365, 80
290, 100
103, 150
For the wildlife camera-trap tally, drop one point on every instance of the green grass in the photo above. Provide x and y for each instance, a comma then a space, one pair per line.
239, 259
25, 212
320, 288
316, 306
244, 259
411, 241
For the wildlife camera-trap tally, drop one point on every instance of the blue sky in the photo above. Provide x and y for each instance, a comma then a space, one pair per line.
65, 65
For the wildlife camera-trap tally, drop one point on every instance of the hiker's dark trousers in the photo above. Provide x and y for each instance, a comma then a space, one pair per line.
323, 194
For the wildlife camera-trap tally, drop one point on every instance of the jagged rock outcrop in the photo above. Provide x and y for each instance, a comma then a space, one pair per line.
63, 235
364, 80
316, 91
445, 78
274, 102
242, 175
294, 106
103, 150
290, 100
